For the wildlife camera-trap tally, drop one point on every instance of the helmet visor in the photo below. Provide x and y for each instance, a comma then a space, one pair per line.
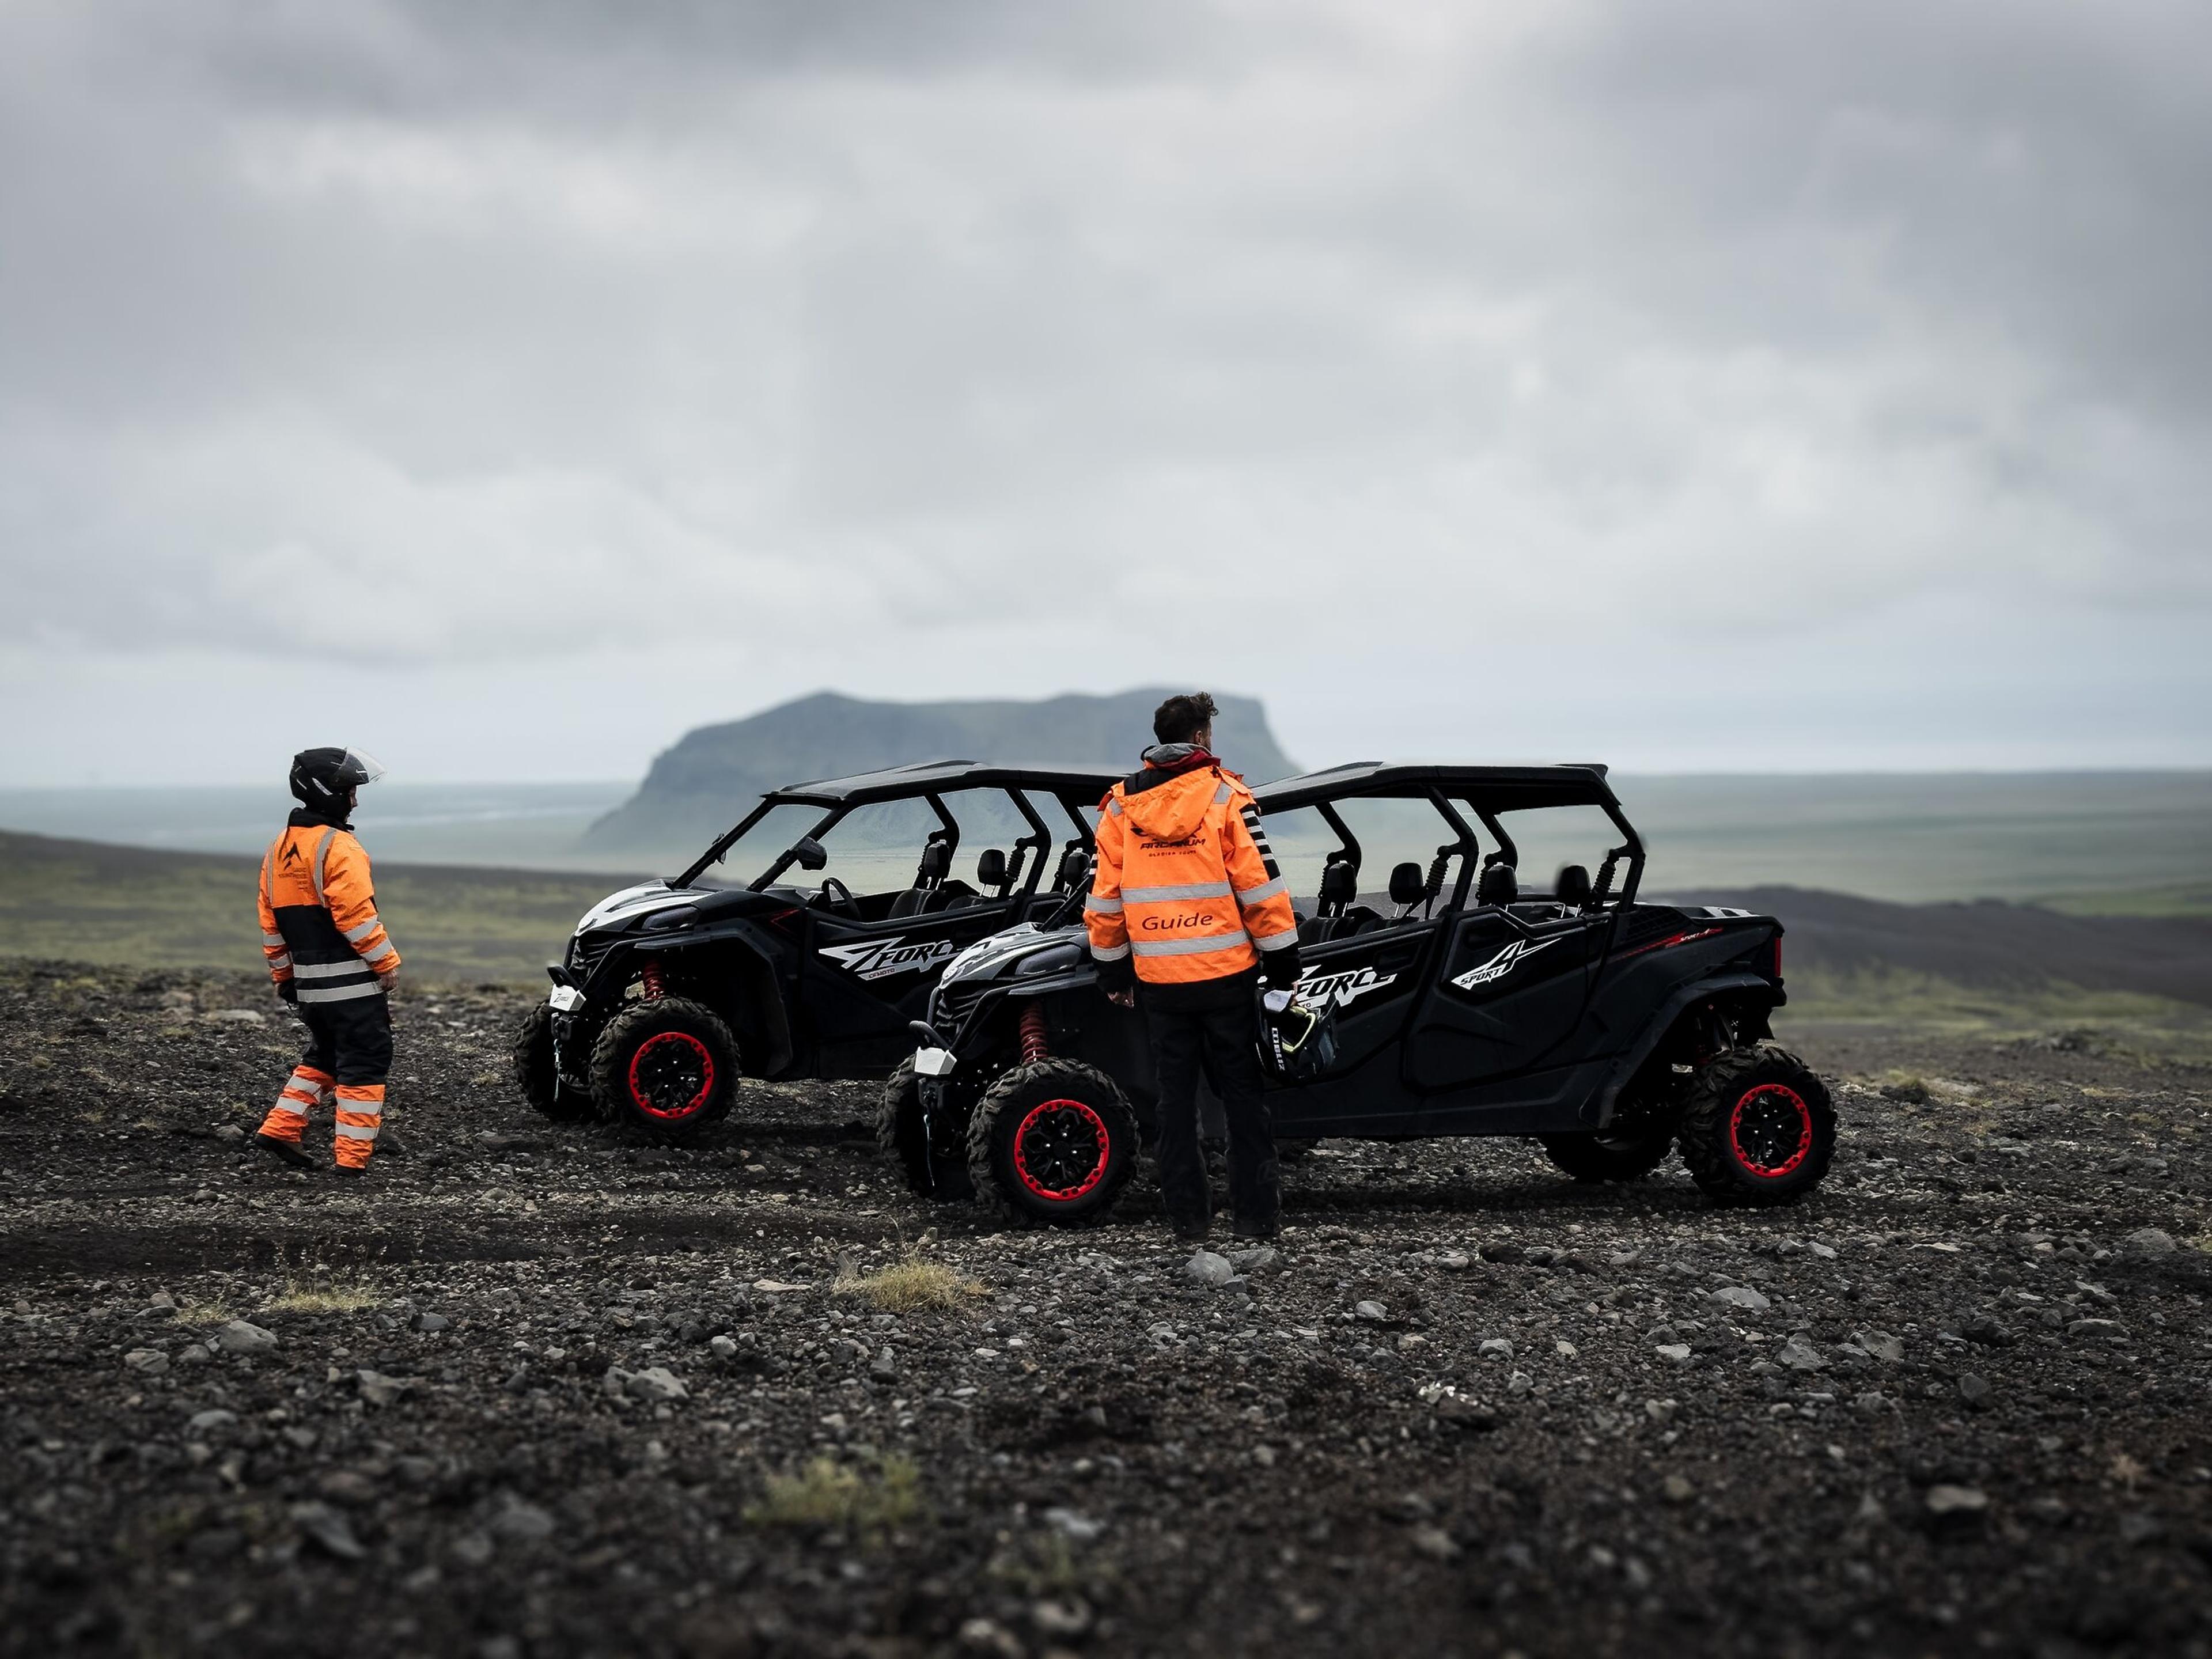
360, 767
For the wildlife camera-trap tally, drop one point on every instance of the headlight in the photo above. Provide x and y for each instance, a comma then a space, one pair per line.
666, 922
1057, 961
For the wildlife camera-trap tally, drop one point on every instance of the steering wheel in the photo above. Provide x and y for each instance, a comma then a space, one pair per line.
838, 897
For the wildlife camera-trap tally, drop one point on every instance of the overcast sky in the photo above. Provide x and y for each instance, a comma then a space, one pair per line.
508, 388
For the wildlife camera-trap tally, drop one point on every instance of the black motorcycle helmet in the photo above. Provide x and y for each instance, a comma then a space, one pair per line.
323, 780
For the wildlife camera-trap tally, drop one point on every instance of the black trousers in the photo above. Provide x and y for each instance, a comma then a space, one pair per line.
350, 1040
1220, 1037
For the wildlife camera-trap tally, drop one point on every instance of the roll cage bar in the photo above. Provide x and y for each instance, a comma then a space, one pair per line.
1487, 791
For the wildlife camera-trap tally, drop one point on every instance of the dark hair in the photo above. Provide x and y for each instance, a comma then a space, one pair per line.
1182, 717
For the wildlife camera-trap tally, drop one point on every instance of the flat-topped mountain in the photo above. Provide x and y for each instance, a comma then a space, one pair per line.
713, 774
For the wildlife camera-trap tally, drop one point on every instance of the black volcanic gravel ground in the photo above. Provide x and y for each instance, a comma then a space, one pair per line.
1956, 1403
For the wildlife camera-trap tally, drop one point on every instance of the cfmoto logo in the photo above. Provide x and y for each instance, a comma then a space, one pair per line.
1503, 962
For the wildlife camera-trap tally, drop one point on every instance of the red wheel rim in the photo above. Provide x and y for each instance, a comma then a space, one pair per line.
1060, 1151
670, 1066
1771, 1131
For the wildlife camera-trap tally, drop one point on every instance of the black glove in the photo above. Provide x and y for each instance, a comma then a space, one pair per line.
287, 991
1117, 976
1281, 968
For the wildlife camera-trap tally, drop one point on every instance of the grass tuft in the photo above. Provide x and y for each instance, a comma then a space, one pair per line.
829, 1496
910, 1285
202, 1313
332, 1296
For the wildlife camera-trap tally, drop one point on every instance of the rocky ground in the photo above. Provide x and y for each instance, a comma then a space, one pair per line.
535, 1391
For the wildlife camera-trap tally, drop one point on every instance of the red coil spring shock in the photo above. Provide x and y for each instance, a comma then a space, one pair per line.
1035, 1047
649, 977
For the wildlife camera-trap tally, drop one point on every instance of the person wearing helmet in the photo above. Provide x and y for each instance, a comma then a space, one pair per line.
331, 958
1187, 911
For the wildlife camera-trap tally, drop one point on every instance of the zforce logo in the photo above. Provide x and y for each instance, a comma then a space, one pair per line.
1343, 987
881, 958
1503, 963
1176, 924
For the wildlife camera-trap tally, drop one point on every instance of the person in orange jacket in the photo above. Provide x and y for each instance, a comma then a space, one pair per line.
1188, 911
331, 959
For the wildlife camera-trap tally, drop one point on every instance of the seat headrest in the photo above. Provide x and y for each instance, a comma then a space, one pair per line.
1498, 884
1407, 884
936, 861
1339, 882
1573, 887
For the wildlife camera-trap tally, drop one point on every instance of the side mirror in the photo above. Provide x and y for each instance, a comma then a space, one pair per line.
990, 869
1573, 887
809, 852
1407, 884
936, 860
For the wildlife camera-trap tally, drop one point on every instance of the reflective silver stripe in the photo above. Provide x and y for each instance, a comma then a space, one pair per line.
322, 854
1276, 941
380, 953
1190, 947
272, 939
355, 1132
1194, 889
1114, 806
339, 994
280, 960
355, 935
292, 1106
1221, 796
1102, 907
1108, 952
1249, 896
330, 969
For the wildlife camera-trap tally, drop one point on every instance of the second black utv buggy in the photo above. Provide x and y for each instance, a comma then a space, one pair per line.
1611, 1031
668, 991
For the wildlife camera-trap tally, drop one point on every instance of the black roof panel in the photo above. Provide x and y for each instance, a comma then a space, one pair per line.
930, 777
1498, 788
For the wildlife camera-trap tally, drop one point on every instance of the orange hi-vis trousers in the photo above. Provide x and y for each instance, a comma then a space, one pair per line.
349, 1056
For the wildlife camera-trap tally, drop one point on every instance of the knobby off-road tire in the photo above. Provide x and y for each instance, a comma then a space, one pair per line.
1052, 1143
1606, 1155
669, 1067
1294, 1152
899, 1136
1759, 1127
536, 1077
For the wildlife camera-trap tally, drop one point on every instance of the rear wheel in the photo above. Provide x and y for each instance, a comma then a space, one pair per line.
942, 1173
1052, 1143
669, 1067
1294, 1152
536, 1076
1759, 1128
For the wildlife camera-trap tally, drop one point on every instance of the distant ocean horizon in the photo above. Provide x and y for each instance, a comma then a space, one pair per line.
1912, 837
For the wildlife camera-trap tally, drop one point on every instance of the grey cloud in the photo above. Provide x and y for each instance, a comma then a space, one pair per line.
480, 322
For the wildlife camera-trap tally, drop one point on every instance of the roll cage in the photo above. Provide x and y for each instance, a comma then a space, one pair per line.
928, 782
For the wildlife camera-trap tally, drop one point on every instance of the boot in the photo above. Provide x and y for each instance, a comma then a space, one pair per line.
284, 1151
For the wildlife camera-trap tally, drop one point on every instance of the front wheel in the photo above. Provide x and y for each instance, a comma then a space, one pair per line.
536, 1076
669, 1067
1759, 1127
938, 1171
1052, 1143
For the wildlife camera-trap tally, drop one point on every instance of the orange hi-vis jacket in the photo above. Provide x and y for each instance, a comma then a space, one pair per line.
318, 922
1185, 882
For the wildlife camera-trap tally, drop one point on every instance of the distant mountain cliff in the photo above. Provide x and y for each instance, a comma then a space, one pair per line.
714, 775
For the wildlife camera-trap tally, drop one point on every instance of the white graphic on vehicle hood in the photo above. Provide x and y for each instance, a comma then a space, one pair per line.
1503, 962
880, 958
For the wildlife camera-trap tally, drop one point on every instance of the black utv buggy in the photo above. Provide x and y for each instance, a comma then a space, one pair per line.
670, 989
1610, 1031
